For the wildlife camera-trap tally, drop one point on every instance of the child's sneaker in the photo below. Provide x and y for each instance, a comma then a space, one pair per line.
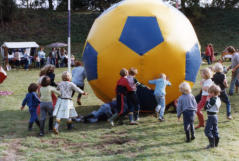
133, 123
41, 134
193, 137
229, 117
112, 123
161, 119
55, 131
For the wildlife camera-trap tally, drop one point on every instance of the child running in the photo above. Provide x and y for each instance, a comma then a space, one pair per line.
64, 108
32, 102
219, 78
212, 107
188, 106
159, 93
206, 83
46, 106
133, 102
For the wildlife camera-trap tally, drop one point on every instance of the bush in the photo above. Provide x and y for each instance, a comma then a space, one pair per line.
7, 10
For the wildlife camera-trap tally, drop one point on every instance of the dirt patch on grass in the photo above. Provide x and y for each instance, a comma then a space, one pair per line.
11, 152
117, 140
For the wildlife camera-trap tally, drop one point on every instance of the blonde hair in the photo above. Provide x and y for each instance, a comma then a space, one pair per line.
66, 76
185, 88
44, 70
133, 71
218, 67
207, 73
123, 72
162, 75
215, 89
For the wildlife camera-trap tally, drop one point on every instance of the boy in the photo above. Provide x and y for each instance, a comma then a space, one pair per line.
212, 107
188, 106
32, 102
122, 88
159, 93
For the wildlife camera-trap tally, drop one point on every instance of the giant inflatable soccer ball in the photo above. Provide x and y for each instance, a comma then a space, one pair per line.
149, 35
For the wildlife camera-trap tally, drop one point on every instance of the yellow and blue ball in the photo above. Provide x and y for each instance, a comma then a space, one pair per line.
149, 35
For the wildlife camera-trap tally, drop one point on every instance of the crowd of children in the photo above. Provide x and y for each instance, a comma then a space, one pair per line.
127, 103
41, 97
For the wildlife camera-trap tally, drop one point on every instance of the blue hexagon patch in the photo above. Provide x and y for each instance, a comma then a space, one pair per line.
193, 62
141, 34
90, 62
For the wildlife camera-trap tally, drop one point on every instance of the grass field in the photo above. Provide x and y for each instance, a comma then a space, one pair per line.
150, 140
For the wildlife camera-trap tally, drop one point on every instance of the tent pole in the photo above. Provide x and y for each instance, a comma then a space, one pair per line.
69, 36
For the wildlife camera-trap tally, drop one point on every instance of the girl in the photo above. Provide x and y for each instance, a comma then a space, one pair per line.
46, 103
64, 107
188, 106
206, 83
32, 102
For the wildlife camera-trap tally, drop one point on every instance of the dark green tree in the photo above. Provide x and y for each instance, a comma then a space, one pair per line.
7, 10
50, 4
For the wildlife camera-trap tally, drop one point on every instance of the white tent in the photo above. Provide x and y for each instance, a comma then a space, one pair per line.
20, 45
16, 45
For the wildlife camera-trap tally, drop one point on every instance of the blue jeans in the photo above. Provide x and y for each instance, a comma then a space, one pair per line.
188, 120
224, 97
33, 113
233, 81
26, 62
208, 58
161, 102
104, 109
45, 108
53, 61
42, 62
211, 129
132, 101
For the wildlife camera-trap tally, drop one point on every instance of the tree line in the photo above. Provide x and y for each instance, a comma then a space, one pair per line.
8, 7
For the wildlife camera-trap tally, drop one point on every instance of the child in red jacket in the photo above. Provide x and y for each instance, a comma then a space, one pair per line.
122, 88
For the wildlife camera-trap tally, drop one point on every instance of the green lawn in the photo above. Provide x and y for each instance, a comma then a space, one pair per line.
150, 140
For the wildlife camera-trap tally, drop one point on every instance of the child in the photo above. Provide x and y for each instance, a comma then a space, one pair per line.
133, 102
102, 114
37, 61
188, 106
159, 93
64, 107
212, 107
206, 83
122, 88
50, 73
32, 102
78, 77
46, 106
220, 79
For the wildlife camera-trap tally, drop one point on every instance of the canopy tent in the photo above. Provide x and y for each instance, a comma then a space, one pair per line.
19, 45
15, 45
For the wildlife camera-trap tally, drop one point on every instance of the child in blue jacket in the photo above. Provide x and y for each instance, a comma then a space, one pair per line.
159, 93
32, 102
